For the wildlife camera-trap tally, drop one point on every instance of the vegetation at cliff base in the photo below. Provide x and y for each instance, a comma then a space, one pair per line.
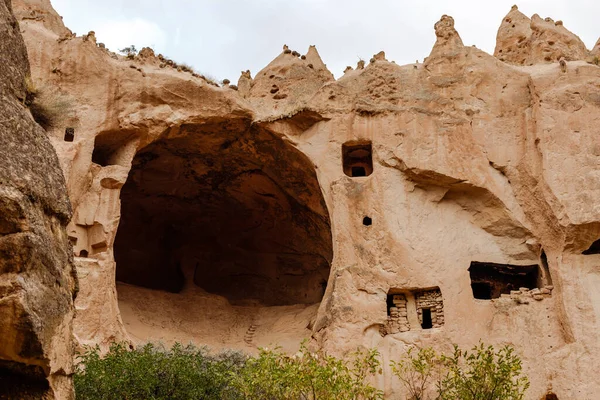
482, 373
187, 372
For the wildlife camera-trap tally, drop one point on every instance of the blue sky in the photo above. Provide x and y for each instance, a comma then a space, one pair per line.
223, 37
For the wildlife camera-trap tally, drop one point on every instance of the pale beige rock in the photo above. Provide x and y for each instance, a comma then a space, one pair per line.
524, 41
596, 50
473, 159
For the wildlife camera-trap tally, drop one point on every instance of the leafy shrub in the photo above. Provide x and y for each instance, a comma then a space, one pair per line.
48, 106
306, 375
418, 372
480, 374
483, 374
151, 372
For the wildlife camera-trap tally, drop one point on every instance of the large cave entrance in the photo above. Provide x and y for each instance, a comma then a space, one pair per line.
229, 208
224, 239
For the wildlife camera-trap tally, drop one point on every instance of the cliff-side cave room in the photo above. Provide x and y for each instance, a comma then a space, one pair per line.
491, 280
228, 211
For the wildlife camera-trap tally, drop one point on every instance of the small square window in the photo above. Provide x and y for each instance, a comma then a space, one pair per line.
69, 134
357, 159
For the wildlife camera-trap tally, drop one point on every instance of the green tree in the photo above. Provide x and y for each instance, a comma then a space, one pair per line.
483, 374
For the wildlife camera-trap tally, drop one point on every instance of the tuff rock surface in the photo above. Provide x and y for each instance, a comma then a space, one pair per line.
226, 215
37, 275
525, 41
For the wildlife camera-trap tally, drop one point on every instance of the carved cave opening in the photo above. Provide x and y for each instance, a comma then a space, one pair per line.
357, 159
114, 148
20, 381
229, 208
490, 280
593, 249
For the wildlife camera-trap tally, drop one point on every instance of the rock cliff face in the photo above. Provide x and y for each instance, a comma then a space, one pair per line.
37, 275
426, 204
524, 41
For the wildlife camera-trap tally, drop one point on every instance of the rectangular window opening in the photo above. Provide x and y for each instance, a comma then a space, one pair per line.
357, 159
69, 134
427, 320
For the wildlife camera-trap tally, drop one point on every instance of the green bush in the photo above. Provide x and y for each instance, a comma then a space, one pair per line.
152, 372
483, 374
480, 374
307, 375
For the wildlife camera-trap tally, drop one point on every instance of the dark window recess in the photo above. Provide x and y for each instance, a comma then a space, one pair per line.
427, 321
367, 221
357, 159
389, 302
490, 280
69, 134
594, 248
482, 290
359, 171
83, 253
551, 396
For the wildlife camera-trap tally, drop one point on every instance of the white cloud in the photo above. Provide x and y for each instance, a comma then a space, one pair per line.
139, 32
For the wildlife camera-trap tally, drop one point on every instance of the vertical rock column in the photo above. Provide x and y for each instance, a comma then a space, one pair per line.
37, 278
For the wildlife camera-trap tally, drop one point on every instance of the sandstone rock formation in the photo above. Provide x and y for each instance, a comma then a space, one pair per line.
524, 41
426, 204
37, 276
